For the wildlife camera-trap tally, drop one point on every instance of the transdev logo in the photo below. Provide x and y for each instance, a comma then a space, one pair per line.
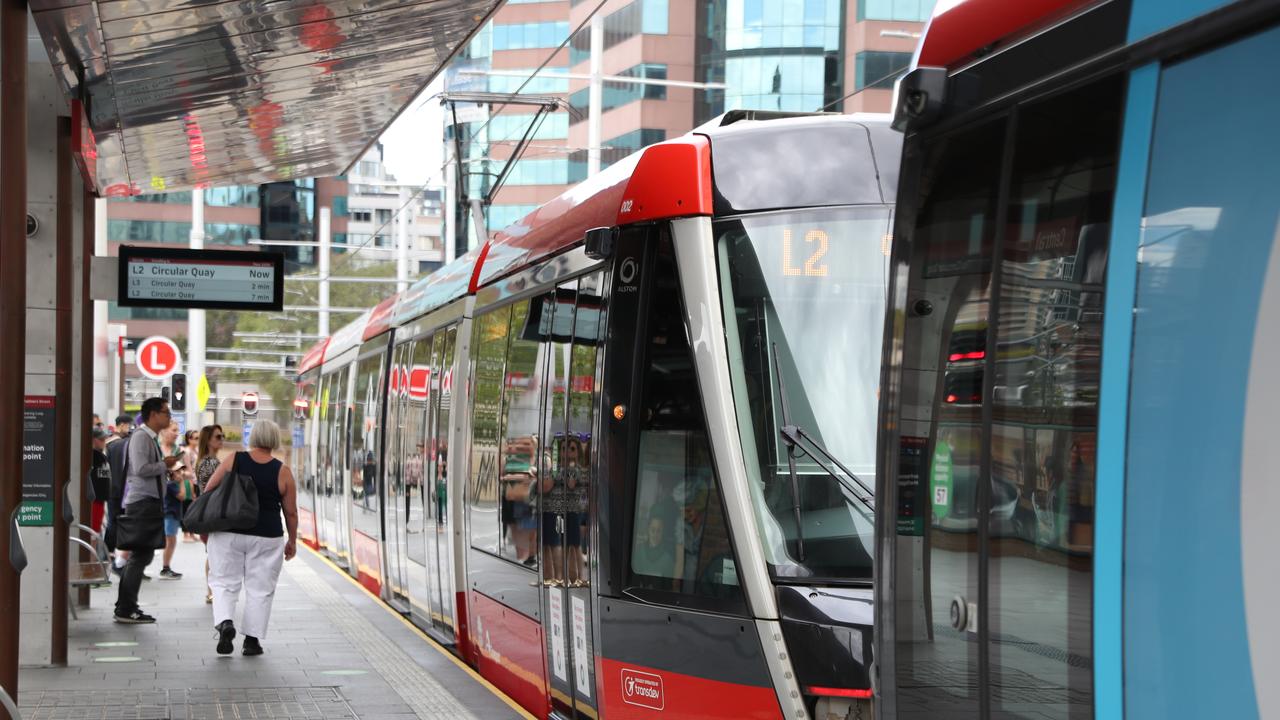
643, 689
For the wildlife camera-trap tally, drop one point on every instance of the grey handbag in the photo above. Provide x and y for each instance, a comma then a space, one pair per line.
232, 505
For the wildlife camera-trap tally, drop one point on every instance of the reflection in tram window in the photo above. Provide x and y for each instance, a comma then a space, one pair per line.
521, 424
675, 479
488, 357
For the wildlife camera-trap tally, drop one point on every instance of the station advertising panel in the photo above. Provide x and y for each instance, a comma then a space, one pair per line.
209, 279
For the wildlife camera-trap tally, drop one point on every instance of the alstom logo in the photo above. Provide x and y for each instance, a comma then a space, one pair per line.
643, 689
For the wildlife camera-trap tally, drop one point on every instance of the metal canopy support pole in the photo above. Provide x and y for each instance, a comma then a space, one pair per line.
195, 321
62, 392
595, 95
88, 311
323, 290
13, 319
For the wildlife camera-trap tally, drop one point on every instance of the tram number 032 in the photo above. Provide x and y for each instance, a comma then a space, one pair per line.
816, 243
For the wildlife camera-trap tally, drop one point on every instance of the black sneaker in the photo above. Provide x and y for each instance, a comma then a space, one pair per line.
226, 634
167, 574
146, 577
136, 617
117, 570
251, 646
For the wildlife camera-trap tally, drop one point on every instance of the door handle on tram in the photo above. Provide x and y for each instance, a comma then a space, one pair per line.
554, 582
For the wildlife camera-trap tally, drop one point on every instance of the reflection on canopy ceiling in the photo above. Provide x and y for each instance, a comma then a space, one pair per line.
180, 93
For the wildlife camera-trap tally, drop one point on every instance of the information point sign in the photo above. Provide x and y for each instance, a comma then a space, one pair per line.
37, 461
158, 357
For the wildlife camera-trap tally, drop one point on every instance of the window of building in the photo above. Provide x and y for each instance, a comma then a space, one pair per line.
234, 196
879, 69
481, 45
363, 216
382, 216
513, 127
182, 197
649, 17
546, 82
524, 36
617, 94
906, 10
551, 171
157, 231
339, 205
230, 233
500, 216
753, 24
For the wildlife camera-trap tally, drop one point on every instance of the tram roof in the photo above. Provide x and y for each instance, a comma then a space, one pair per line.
667, 180
960, 29
173, 94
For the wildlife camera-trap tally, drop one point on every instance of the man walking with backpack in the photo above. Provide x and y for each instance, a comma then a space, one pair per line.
139, 524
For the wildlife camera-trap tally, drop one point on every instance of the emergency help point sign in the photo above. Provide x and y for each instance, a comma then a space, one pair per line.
158, 357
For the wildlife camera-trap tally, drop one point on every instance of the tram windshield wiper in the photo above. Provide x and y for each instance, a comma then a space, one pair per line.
798, 440
792, 435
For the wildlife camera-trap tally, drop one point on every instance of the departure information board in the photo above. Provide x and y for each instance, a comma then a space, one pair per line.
211, 279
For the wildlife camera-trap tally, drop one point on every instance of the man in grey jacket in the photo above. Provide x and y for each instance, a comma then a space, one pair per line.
145, 477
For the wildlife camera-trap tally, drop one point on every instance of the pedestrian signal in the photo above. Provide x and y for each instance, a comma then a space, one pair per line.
178, 403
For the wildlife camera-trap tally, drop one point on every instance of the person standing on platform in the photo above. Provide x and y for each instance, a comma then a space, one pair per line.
190, 456
146, 472
99, 479
172, 498
252, 558
208, 447
117, 447
122, 428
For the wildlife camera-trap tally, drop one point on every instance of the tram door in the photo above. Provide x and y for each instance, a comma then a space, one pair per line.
433, 359
399, 464
997, 426
329, 494
570, 325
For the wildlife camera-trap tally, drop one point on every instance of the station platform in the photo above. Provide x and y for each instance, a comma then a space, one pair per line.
333, 652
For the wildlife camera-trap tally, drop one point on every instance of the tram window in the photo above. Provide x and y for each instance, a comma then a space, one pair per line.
1044, 417
521, 462
680, 539
366, 432
488, 358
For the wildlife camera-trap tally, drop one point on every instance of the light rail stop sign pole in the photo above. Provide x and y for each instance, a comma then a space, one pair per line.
158, 357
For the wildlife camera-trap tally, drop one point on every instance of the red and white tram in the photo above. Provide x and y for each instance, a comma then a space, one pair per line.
620, 456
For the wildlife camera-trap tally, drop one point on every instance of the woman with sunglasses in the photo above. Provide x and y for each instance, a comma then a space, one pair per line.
209, 445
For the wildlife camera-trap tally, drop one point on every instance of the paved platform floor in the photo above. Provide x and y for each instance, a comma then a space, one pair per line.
333, 652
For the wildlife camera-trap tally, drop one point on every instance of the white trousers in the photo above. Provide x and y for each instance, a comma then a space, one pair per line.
250, 562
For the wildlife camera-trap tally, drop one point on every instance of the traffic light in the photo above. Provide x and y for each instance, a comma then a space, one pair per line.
164, 394
249, 403
179, 394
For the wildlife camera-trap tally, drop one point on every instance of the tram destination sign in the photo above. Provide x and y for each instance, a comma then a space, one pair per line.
210, 279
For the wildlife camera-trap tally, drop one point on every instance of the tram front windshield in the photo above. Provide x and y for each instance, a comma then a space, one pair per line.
804, 299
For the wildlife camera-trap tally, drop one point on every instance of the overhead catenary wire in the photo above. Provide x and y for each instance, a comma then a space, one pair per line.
346, 257
867, 86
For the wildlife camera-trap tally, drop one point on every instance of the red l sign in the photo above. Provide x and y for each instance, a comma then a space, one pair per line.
158, 357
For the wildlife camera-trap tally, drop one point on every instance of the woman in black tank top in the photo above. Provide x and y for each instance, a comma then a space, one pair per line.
251, 559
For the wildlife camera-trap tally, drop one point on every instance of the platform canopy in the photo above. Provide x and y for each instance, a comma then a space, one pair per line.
174, 94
